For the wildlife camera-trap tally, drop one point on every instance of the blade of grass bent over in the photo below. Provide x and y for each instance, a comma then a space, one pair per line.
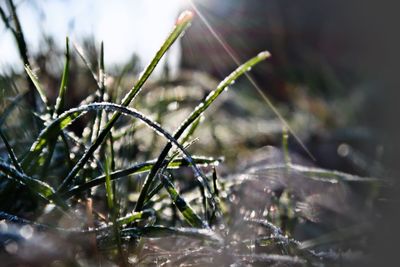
65, 119
55, 125
182, 23
193, 116
38, 187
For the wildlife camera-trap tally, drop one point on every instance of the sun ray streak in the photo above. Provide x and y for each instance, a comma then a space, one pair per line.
234, 57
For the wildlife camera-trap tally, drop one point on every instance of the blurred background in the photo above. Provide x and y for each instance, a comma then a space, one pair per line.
126, 27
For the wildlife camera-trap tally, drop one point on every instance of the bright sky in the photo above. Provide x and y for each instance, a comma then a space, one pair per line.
125, 26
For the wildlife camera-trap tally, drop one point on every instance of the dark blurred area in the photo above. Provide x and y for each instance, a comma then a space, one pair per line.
332, 48
311, 43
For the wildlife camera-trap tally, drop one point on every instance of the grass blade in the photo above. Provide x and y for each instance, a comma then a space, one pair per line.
137, 169
37, 84
22, 47
57, 108
86, 61
38, 187
188, 213
64, 81
136, 216
109, 191
49, 133
11, 153
112, 205
191, 130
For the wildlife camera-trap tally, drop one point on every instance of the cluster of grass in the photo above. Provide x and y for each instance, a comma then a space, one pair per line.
82, 192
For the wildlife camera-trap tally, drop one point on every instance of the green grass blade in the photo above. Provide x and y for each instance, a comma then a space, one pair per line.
212, 96
156, 187
180, 26
109, 191
58, 106
112, 205
19, 37
188, 213
49, 133
138, 169
36, 186
100, 119
137, 216
285, 146
194, 116
64, 81
37, 84
86, 61
191, 130
11, 153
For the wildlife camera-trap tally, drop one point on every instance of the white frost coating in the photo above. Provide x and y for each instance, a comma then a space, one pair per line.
264, 54
184, 17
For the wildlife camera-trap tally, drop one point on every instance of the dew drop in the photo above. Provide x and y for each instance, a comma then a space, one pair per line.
11, 247
93, 165
173, 106
343, 150
26, 231
253, 214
